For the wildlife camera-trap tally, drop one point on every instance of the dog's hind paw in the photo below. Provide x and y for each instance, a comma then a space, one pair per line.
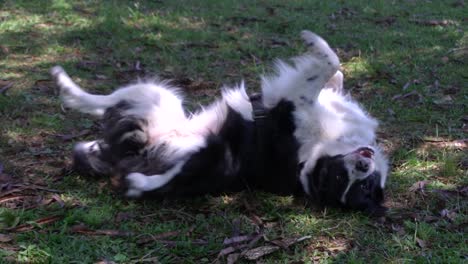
136, 184
56, 71
320, 49
314, 42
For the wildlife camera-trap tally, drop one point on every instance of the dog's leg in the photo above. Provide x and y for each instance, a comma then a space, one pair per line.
139, 183
336, 83
301, 83
75, 97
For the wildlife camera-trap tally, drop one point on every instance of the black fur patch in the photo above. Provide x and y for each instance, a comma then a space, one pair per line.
276, 152
92, 163
367, 195
125, 134
329, 180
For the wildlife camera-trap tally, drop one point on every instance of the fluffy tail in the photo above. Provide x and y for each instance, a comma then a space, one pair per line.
76, 98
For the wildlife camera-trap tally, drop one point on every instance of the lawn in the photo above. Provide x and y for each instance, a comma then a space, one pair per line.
406, 61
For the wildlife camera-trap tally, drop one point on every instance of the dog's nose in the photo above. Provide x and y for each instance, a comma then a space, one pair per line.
362, 166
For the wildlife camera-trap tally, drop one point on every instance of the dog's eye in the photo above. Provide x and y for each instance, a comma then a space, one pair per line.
364, 187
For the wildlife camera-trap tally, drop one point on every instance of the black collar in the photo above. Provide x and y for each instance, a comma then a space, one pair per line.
259, 111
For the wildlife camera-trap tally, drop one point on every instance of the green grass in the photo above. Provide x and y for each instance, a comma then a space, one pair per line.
387, 49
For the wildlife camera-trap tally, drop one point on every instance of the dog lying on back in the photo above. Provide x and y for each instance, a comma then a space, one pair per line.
302, 136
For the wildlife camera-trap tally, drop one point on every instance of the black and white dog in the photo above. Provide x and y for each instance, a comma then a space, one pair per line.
303, 135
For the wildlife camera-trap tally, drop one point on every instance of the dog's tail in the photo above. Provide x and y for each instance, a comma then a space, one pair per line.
76, 98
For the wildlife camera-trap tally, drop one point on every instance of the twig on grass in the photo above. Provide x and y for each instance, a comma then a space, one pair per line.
82, 229
5, 88
37, 223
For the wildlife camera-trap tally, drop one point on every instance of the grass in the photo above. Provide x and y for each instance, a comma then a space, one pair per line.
405, 61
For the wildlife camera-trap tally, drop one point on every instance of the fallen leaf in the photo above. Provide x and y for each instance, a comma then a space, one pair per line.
236, 239
137, 66
459, 191
445, 100
82, 229
405, 87
275, 42
38, 223
5, 238
256, 253
386, 21
59, 200
433, 22
12, 198
245, 20
430, 219
11, 190
105, 261
233, 258
157, 237
408, 95
173, 243
338, 248
449, 214
5, 86
123, 217
227, 251
101, 77
418, 186
396, 228
147, 260
421, 243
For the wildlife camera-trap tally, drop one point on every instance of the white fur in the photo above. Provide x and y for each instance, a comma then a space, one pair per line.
139, 183
238, 100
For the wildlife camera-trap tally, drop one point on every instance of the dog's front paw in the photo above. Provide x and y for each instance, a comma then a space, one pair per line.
56, 71
136, 184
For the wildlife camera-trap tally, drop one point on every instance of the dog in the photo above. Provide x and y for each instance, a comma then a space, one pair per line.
302, 136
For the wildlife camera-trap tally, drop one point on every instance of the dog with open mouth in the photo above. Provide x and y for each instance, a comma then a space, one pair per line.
303, 135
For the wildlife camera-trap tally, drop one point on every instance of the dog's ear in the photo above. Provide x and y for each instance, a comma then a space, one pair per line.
336, 82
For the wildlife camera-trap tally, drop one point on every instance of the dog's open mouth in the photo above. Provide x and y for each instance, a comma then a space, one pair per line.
366, 152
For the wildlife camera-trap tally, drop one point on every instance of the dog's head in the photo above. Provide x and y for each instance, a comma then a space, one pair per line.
352, 179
